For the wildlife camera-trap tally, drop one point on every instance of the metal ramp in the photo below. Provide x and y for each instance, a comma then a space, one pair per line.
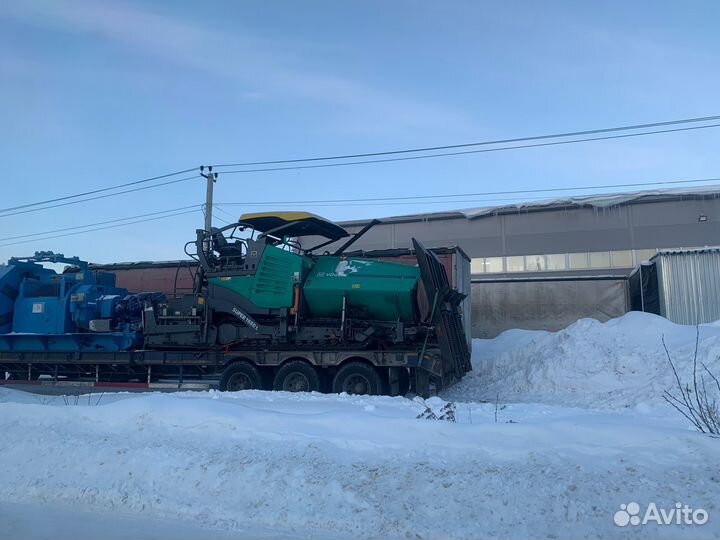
446, 318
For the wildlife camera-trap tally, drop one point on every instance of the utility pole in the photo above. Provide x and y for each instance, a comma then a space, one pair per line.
211, 179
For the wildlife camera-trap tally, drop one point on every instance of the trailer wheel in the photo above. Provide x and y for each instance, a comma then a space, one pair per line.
240, 376
358, 378
297, 376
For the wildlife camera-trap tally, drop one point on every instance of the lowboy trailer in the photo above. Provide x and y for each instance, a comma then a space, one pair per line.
264, 313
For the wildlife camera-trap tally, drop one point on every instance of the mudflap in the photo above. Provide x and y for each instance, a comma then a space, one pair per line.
445, 316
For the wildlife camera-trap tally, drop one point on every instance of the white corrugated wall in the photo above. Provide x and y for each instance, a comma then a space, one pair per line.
689, 286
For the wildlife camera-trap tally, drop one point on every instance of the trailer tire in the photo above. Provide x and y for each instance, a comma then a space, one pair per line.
358, 378
240, 376
297, 376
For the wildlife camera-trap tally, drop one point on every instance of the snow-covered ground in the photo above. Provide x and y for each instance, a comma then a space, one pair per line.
47, 522
581, 429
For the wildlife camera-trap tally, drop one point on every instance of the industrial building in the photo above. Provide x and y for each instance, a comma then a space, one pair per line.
545, 264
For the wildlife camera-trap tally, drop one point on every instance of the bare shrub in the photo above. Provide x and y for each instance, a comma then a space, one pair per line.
447, 413
696, 403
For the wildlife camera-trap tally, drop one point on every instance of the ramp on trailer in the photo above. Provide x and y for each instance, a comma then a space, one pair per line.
445, 316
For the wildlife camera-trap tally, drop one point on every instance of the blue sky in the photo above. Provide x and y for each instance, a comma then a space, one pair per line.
97, 93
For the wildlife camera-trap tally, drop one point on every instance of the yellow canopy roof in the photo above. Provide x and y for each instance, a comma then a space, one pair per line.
294, 224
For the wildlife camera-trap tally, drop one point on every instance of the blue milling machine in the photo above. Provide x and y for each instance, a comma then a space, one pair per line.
79, 310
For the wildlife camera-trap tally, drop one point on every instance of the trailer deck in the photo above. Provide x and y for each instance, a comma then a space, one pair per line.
146, 368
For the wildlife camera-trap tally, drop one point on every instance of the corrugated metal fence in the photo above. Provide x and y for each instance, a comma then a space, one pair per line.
689, 285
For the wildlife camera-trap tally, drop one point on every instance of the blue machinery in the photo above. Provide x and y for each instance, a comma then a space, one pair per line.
77, 311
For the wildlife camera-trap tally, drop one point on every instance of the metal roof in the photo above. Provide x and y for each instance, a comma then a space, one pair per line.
684, 251
601, 200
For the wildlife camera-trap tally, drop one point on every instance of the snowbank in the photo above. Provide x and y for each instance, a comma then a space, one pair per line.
620, 363
284, 465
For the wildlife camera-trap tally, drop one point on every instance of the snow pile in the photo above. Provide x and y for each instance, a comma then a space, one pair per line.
279, 465
620, 363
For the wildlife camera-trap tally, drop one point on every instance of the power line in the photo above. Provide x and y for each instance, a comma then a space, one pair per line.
99, 223
101, 190
214, 216
480, 194
486, 143
380, 201
223, 220
216, 207
94, 229
66, 200
464, 152
68, 203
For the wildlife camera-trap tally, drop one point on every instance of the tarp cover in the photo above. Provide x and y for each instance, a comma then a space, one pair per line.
544, 305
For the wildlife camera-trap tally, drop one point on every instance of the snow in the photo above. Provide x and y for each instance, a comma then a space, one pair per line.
33, 522
616, 364
601, 200
579, 431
